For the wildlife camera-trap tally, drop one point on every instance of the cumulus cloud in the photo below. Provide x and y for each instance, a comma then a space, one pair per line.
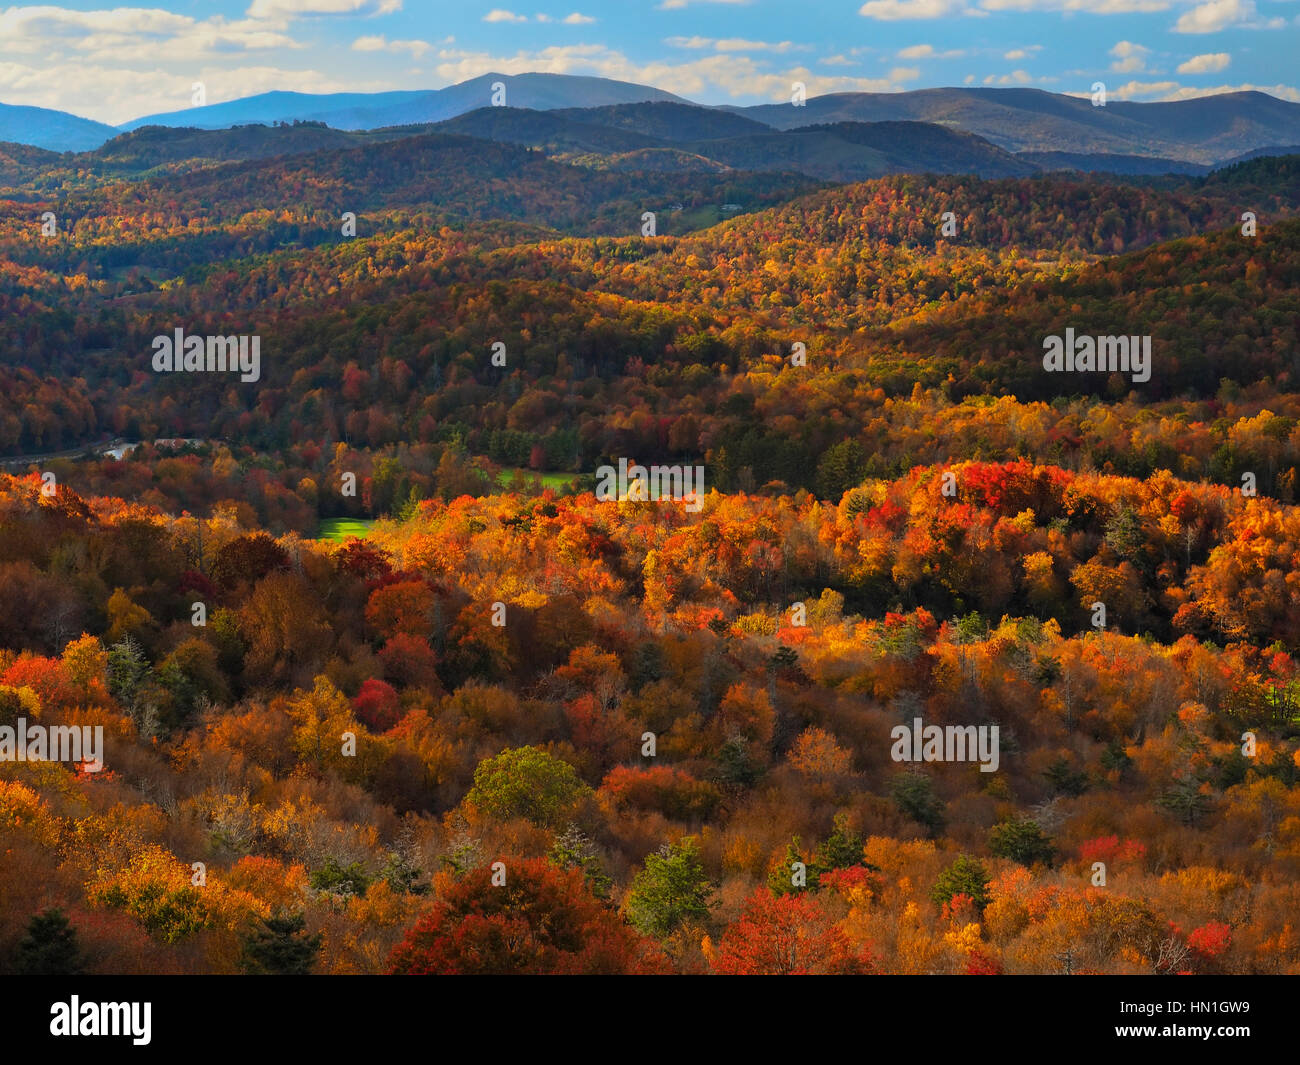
1216, 15
1205, 64
735, 75
1093, 7
729, 44
926, 51
1130, 57
902, 10
1016, 77
132, 33
677, 5
267, 9
381, 44
1164, 91
121, 94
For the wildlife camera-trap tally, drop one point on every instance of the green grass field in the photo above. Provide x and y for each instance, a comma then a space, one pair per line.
549, 480
341, 528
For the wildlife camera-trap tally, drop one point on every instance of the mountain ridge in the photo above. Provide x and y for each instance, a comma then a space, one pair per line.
1203, 131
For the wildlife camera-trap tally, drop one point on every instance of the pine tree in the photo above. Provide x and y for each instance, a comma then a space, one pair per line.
281, 947
842, 848
49, 948
966, 876
913, 794
781, 880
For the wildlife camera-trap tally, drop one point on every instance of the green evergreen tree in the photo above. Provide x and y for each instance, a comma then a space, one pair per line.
841, 467
966, 876
842, 849
913, 794
1022, 841
1185, 799
781, 880
281, 947
50, 947
402, 874
339, 879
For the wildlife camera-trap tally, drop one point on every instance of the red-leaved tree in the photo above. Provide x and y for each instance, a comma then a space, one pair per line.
543, 920
778, 935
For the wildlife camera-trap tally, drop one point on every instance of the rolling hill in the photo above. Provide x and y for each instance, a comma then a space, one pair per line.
846, 151
56, 131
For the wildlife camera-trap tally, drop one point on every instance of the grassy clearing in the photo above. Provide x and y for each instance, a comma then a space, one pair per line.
340, 529
558, 481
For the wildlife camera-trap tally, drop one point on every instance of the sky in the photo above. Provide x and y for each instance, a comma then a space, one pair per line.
117, 63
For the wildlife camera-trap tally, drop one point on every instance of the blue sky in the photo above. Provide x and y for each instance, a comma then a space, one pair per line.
116, 63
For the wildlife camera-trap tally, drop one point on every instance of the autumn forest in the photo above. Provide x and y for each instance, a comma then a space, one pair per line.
388, 683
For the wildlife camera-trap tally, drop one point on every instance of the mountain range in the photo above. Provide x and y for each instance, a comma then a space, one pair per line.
616, 125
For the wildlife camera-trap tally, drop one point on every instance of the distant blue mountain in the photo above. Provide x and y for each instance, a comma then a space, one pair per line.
1048, 129
56, 131
1203, 130
351, 110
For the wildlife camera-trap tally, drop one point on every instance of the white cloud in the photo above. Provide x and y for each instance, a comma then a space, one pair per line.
740, 44
1127, 48
297, 8
127, 33
499, 15
677, 5
1016, 77
381, 44
1092, 7
1164, 91
731, 75
729, 44
121, 94
576, 19
1205, 64
926, 51
1215, 15
900, 10
1130, 57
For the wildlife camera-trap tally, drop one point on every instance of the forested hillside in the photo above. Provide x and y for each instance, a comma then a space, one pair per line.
633, 623
519, 726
